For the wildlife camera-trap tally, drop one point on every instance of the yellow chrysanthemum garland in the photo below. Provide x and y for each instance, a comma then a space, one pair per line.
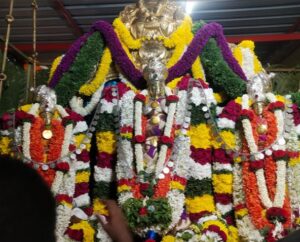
87, 229
106, 141
99, 207
54, 65
5, 145
90, 88
183, 31
237, 53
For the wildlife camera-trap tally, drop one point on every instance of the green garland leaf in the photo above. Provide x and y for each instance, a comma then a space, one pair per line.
106, 122
104, 190
296, 98
197, 187
82, 70
158, 212
217, 71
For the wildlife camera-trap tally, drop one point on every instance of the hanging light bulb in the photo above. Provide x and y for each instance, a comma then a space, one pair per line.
189, 6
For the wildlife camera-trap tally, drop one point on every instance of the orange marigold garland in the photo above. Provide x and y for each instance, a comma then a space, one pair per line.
264, 176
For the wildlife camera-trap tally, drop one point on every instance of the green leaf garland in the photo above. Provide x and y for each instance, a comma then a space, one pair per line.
82, 70
156, 212
217, 71
196, 187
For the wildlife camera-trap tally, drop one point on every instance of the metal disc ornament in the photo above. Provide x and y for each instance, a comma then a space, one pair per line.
47, 134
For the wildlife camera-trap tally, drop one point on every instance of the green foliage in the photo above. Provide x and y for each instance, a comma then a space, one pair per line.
197, 187
14, 88
156, 212
296, 98
82, 70
218, 73
104, 190
197, 115
106, 122
286, 82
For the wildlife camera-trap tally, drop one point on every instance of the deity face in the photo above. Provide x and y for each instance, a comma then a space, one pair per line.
152, 6
259, 86
155, 73
47, 98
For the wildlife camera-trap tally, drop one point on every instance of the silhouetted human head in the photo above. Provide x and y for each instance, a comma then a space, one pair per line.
27, 207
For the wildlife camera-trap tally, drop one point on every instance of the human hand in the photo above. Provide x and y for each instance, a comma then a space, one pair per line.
115, 225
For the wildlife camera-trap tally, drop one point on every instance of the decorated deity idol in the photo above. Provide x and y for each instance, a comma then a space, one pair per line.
266, 155
52, 140
154, 81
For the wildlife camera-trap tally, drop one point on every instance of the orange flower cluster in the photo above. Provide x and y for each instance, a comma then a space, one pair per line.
38, 146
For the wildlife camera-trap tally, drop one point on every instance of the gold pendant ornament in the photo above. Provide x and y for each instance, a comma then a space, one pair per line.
47, 134
155, 120
262, 129
155, 104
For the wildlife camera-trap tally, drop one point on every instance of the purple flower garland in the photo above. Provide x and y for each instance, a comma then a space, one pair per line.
68, 59
119, 55
212, 30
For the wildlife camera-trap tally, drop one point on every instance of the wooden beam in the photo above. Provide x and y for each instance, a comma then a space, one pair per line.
58, 5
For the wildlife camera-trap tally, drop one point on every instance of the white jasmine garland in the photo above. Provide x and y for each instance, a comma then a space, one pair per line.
167, 132
204, 219
161, 159
176, 200
125, 160
248, 63
63, 215
68, 184
204, 96
220, 166
82, 200
126, 104
224, 208
126, 155
80, 127
298, 129
199, 171
139, 157
101, 235
224, 123
281, 184
76, 103
181, 107
79, 214
103, 174
124, 196
4, 133
281, 169
80, 165
209, 236
57, 182
293, 170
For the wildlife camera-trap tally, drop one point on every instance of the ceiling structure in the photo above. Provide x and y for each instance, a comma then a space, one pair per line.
274, 24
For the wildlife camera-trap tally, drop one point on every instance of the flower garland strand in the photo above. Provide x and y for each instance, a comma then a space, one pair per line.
128, 68
281, 163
